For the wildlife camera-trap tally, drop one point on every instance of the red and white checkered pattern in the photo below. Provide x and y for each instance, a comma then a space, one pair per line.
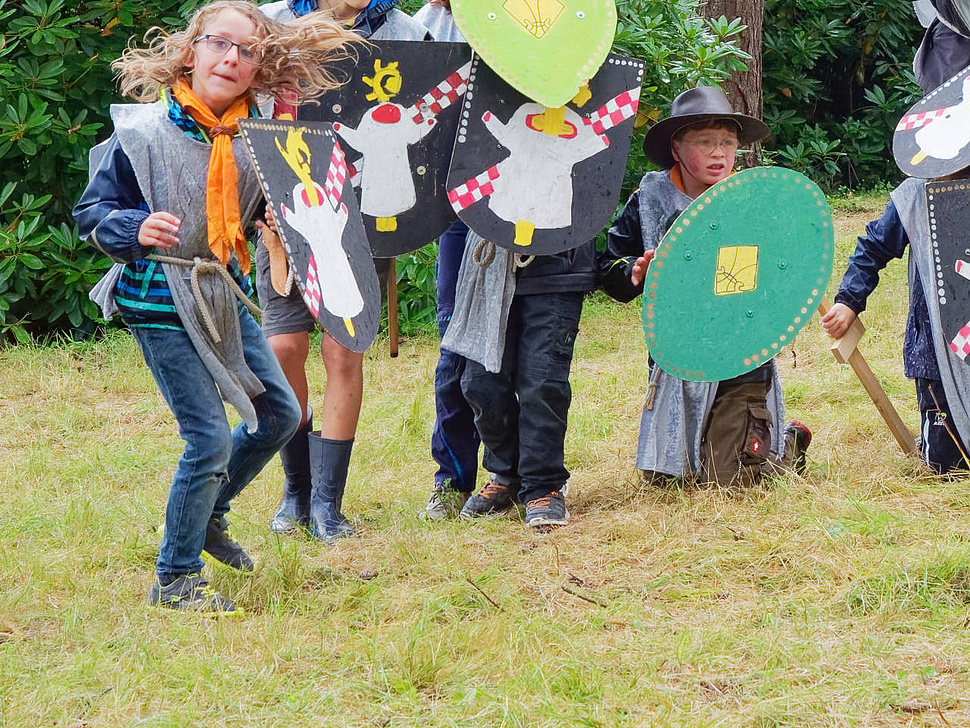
961, 342
443, 95
337, 173
615, 111
311, 293
921, 118
355, 170
473, 190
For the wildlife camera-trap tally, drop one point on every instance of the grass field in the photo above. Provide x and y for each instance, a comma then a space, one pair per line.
837, 599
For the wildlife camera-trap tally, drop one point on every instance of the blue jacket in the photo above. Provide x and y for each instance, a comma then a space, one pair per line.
885, 239
112, 207
109, 214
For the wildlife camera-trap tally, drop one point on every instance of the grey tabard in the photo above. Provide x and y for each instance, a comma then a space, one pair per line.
673, 419
483, 298
171, 169
910, 201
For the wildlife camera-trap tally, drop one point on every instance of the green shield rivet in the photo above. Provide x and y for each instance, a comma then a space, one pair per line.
688, 255
782, 264
714, 226
749, 314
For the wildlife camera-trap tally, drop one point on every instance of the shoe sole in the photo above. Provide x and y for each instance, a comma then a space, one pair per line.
210, 613
541, 522
466, 516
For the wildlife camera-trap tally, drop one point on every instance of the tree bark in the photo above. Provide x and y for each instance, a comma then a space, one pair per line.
743, 88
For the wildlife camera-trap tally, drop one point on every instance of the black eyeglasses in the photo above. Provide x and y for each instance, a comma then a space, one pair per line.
220, 46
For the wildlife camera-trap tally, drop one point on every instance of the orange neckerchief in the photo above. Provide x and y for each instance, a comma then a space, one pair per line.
222, 185
677, 177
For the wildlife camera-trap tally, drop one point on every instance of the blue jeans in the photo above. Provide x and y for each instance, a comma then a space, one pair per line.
217, 463
520, 412
454, 439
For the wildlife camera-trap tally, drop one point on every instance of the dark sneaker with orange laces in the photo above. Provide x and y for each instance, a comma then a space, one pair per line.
494, 499
191, 593
801, 437
549, 510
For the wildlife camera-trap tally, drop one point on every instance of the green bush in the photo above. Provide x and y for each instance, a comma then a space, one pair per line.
56, 85
837, 77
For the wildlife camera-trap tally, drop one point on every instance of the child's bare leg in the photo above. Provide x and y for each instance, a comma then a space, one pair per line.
291, 351
343, 391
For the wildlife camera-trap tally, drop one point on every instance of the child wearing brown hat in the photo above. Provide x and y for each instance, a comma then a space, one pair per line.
724, 432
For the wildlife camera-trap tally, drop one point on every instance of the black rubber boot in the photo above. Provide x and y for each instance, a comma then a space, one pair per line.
294, 510
329, 461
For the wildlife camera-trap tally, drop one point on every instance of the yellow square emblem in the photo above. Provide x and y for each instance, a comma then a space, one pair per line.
737, 270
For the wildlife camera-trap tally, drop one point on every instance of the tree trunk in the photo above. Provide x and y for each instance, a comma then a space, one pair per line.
744, 88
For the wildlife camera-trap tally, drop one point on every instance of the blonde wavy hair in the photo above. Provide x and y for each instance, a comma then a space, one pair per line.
294, 62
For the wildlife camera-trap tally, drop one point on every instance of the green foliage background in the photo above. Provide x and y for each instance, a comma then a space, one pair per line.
56, 86
837, 76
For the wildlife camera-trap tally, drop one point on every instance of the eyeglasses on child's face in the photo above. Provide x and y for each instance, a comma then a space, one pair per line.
220, 46
707, 145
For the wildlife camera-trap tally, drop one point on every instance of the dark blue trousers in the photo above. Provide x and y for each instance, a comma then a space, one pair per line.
454, 440
939, 442
520, 412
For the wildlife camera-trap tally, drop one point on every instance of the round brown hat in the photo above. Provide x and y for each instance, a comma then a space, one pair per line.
704, 103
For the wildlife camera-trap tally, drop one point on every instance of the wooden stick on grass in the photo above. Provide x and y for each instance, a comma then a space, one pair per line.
392, 307
845, 351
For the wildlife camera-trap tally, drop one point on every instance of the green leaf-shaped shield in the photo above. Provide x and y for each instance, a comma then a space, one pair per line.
738, 274
546, 49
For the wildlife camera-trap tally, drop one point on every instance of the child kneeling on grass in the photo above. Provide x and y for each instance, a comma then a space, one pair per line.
714, 431
169, 199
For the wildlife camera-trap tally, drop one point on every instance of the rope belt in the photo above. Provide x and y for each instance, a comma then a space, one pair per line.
208, 266
484, 254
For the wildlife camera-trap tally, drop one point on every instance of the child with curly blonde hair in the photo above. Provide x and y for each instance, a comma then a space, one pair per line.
169, 199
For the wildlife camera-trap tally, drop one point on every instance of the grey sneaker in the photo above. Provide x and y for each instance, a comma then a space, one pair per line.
444, 503
191, 593
494, 499
221, 546
548, 510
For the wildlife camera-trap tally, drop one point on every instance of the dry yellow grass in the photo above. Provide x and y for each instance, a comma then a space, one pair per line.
837, 599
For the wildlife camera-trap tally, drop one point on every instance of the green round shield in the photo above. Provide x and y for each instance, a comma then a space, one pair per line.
546, 49
738, 274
